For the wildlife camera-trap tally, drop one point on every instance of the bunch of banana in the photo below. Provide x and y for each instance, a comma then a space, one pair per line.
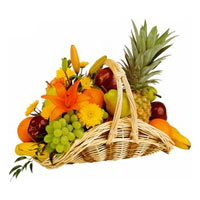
31, 149
97, 65
180, 140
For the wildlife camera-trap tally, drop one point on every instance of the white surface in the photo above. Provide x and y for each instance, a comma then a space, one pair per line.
38, 35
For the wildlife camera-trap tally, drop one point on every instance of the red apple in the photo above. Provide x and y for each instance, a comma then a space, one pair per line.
158, 110
105, 80
109, 119
36, 128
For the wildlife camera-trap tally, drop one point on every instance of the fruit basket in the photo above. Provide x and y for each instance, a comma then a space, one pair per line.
106, 113
118, 139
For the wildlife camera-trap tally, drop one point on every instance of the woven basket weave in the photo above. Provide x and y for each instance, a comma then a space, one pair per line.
118, 139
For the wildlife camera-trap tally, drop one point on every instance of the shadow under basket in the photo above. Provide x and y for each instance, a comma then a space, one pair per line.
118, 139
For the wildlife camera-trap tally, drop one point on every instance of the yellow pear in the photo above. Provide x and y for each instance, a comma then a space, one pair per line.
111, 100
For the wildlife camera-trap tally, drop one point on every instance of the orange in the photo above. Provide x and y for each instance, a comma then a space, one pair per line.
22, 130
162, 125
96, 96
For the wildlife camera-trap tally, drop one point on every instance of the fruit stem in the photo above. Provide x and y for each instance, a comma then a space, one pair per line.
48, 83
67, 78
158, 95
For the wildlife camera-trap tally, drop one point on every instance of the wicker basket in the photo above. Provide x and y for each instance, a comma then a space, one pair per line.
118, 139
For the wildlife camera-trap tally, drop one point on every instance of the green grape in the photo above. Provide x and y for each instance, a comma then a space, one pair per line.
71, 136
52, 145
51, 123
51, 134
71, 112
67, 147
49, 128
105, 115
65, 131
70, 127
60, 148
76, 125
48, 148
56, 125
57, 133
67, 118
82, 129
78, 133
64, 140
47, 138
62, 122
74, 118
56, 140
82, 125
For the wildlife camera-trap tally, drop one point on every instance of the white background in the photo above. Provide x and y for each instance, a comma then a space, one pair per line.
37, 34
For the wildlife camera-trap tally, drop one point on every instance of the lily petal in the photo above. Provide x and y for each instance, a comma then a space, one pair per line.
60, 90
55, 100
56, 113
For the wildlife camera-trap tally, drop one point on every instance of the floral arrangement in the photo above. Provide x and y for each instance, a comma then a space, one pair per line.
76, 100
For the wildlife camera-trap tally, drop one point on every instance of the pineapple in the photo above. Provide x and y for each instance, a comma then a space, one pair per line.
140, 63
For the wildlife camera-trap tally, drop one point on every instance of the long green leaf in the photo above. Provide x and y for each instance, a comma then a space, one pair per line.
163, 37
161, 51
20, 158
16, 174
135, 31
151, 39
142, 42
14, 168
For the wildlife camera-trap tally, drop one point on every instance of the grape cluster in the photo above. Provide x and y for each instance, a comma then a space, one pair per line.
61, 133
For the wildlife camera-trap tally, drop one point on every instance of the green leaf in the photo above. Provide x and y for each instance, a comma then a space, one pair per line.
14, 168
31, 167
156, 49
20, 158
147, 57
16, 174
148, 76
134, 45
51, 156
124, 65
140, 61
26, 164
145, 28
161, 51
128, 52
164, 37
151, 40
149, 68
135, 31
142, 42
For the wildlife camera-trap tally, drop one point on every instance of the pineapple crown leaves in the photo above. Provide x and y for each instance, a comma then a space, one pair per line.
140, 62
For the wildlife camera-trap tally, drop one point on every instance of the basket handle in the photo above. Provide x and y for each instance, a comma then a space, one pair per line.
120, 77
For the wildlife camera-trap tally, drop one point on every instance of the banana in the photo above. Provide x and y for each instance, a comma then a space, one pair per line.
180, 140
97, 65
30, 149
74, 59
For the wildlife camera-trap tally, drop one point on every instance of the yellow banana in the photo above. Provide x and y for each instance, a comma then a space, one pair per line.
30, 149
74, 59
180, 140
97, 65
